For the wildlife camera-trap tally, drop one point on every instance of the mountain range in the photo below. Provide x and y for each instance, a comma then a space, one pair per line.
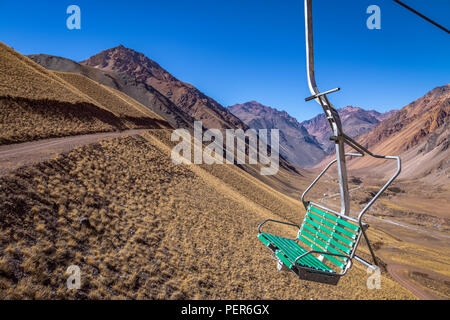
296, 144
355, 122
145, 94
306, 143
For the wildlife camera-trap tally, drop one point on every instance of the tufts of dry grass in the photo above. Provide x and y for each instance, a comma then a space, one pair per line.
140, 227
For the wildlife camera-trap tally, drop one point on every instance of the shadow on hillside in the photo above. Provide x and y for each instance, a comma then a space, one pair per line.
25, 119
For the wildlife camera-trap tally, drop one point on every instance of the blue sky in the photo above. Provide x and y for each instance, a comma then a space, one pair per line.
241, 50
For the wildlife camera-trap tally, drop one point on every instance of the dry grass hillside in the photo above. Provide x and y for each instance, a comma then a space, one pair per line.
37, 103
141, 227
24, 119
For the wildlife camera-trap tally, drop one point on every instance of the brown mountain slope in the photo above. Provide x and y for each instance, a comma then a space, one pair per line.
355, 120
427, 113
185, 96
129, 85
296, 144
37, 103
420, 133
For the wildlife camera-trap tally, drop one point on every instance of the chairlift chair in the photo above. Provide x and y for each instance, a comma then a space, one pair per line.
325, 234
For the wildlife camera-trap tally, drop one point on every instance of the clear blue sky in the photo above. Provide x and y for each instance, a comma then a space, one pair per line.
241, 50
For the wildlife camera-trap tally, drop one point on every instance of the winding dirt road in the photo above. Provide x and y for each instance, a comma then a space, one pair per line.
395, 270
17, 155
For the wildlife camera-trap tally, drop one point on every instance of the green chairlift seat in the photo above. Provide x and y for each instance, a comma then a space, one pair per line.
323, 234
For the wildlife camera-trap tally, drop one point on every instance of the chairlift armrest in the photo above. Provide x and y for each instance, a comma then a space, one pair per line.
276, 221
385, 186
323, 172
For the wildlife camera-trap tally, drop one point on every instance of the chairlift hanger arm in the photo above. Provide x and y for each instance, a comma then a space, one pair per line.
310, 57
331, 113
290, 251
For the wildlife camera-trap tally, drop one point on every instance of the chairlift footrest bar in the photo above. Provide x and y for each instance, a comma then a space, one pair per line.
321, 94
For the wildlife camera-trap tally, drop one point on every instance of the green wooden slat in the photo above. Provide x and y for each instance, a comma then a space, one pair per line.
306, 241
325, 236
314, 241
328, 239
311, 260
330, 232
334, 218
263, 239
285, 246
324, 245
333, 226
333, 250
278, 242
324, 248
322, 266
337, 262
292, 250
349, 225
281, 256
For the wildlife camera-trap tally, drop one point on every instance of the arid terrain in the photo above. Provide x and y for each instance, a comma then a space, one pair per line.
87, 179
153, 229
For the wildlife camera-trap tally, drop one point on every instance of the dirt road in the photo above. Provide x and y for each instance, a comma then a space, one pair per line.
17, 155
396, 271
